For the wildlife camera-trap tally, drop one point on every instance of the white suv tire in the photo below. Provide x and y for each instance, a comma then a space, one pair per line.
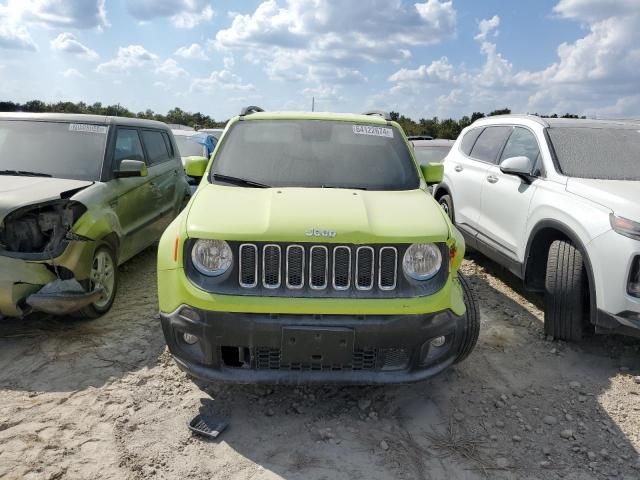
566, 292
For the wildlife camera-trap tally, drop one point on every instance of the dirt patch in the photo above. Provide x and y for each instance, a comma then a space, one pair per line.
103, 399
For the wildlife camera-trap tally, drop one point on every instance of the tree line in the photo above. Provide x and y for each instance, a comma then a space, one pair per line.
175, 115
434, 127
449, 128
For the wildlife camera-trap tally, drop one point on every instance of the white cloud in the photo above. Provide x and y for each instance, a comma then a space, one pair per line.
229, 62
182, 13
58, 13
595, 10
191, 20
67, 42
15, 37
496, 71
486, 26
595, 74
324, 94
597, 69
162, 86
437, 71
220, 80
17, 15
193, 52
170, 68
292, 39
127, 58
72, 73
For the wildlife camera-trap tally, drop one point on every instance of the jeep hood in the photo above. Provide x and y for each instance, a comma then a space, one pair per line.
16, 192
621, 196
288, 215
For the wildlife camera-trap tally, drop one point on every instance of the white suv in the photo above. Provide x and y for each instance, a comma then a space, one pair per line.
557, 202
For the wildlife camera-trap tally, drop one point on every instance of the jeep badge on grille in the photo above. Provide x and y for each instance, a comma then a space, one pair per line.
317, 232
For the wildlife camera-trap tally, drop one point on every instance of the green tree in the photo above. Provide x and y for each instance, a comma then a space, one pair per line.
502, 111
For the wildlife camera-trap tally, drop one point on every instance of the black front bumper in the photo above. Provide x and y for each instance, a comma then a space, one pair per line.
296, 349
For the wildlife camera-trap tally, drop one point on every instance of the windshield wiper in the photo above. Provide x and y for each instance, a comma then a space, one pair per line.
23, 173
239, 181
344, 187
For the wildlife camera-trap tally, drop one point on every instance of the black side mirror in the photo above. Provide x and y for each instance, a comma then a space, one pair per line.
131, 168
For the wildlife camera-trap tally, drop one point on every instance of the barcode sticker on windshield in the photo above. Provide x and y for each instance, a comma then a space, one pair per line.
86, 128
371, 130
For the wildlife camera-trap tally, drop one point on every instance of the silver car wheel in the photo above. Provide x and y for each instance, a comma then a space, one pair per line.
103, 275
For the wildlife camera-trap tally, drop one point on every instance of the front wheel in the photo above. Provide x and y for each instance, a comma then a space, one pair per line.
471, 321
447, 205
104, 274
566, 292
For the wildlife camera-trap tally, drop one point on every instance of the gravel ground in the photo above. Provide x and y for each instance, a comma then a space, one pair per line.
103, 399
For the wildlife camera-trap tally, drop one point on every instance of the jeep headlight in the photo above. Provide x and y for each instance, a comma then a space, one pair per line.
211, 257
422, 261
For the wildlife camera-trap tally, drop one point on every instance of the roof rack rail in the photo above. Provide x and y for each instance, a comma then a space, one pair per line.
379, 113
249, 110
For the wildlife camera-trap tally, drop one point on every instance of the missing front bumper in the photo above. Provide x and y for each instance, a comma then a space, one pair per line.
61, 297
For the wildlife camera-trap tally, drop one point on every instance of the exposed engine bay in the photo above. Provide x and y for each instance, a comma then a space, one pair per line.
40, 229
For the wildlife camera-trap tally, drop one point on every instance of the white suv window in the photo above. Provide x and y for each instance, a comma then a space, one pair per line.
489, 143
521, 143
469, 140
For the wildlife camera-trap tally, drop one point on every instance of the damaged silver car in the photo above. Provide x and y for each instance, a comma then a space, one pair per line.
80, 195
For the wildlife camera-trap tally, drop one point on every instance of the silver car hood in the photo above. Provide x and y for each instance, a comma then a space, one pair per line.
16, 192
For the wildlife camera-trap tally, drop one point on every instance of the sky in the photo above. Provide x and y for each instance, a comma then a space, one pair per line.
444, 58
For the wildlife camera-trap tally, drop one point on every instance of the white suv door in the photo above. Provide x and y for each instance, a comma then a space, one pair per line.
505, 199
467, 172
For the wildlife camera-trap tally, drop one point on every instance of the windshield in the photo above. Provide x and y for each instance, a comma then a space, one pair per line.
189, 146
317, 153
431, 154
57, 149
601, 153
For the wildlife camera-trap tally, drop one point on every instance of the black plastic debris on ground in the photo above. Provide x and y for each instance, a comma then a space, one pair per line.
207, 425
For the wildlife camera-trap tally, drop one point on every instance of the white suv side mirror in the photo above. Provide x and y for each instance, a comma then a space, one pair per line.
520, 166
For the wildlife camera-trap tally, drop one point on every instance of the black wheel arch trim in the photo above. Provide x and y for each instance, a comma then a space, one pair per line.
441, 186
575, 239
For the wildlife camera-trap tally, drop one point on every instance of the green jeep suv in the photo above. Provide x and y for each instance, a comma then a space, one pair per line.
312, 252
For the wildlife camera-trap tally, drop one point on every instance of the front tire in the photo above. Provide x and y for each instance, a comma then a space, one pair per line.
472, 321
104, 273
447, 205
566, 292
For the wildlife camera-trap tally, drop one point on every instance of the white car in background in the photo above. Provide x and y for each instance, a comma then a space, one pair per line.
557, 202
431, 150
196, 145
192, 143
215, 132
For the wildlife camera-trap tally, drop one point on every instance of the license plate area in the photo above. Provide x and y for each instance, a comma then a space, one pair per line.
327, 346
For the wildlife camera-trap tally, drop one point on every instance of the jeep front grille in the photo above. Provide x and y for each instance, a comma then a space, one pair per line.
320, 267
317, 270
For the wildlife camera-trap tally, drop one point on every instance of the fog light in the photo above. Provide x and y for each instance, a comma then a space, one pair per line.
438, 341
189, 338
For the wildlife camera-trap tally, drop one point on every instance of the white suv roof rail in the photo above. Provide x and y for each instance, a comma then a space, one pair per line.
523, 116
